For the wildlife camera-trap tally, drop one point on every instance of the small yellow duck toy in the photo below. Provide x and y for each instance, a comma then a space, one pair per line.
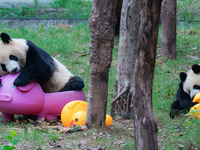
195, 110
75, 112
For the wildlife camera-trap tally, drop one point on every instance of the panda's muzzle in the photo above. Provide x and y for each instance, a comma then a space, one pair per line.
13, 67
14, 71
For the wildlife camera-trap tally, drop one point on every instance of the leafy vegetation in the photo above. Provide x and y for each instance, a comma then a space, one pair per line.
70, 45
13, 139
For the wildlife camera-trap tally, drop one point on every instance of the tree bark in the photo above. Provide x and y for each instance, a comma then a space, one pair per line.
144, 122
102, 26
168, 43
126, 55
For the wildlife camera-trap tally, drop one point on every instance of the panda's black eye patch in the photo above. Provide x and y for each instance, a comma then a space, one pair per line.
12, 57
196, 87
3, 66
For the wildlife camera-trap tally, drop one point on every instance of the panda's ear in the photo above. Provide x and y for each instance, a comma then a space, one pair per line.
183, 76
196, 68
5, 38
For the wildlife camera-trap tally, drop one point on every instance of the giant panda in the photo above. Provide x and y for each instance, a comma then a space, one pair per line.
34, 64
188, 88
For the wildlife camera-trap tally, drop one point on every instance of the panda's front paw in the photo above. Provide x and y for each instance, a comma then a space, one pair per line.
20, 82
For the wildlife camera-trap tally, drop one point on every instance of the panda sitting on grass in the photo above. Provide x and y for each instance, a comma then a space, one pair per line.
34, 64
188, 88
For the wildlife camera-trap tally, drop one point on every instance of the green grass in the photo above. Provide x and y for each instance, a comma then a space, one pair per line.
70, 45
77, 9
59, 9
188, 10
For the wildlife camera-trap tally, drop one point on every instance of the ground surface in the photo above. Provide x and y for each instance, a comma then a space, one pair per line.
120, 135
40, 22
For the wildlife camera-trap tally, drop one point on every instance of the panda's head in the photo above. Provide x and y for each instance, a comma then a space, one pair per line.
191, 80
12, 54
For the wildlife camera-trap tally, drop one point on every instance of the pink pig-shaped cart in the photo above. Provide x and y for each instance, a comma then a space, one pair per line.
31, 100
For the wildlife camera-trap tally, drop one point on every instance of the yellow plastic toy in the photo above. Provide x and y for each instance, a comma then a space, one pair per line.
75, 112
195, 110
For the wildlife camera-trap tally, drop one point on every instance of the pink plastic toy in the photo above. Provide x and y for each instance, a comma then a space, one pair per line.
31, 100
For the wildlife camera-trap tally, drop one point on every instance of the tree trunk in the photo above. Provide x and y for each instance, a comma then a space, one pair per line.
126, 55
144, 122
102, 26
168, 43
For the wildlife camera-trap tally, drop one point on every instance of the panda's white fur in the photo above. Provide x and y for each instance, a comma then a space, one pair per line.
16, 47
35, 65
56, 81
192, 79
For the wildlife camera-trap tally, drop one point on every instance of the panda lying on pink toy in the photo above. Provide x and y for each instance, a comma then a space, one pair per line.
20, 93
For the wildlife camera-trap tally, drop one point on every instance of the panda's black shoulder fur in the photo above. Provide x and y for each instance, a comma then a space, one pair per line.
75, 83
183, 102
39, 66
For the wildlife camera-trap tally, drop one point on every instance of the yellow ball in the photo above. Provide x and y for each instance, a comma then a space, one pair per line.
195, 111
108, 120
